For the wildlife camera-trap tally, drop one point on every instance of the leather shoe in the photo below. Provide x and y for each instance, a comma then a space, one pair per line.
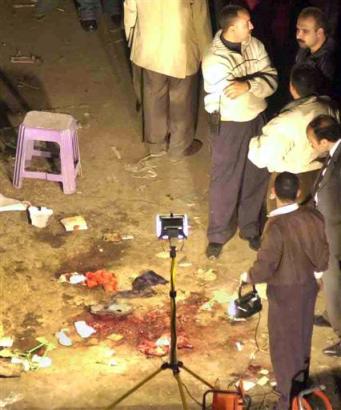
319, 320
254, 242
213, 250
334, 351
193, 148
89, 25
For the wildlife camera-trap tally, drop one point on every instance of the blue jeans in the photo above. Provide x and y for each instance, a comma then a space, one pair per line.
88, 9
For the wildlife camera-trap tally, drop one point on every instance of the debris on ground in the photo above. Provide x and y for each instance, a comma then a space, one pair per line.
19, 59
83, 329
114, 237
141, 286
114, 309
263, 381
115, 337
146, 170
10, 204
74, 278
39, 216
41, 361
10, 399
6, 341
184, 263
116, 152
8, 369
162, 255
74, 223
101, 277
63, 338
161, 346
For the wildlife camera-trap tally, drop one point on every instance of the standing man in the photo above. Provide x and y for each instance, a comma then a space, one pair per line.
324, 134
238, 76
168, 39
294, 250
316, 47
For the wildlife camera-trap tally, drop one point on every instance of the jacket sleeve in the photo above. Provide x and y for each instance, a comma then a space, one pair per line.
264, 82
130, 17
268, 256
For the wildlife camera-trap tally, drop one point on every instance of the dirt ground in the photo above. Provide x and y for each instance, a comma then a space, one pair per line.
87, 75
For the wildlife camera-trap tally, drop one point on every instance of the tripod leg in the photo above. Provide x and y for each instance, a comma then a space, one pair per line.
196, 376
133, 389
181, 391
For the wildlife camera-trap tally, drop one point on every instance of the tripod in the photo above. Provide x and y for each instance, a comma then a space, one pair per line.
173, 363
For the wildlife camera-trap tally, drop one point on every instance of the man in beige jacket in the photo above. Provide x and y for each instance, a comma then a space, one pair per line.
167, 40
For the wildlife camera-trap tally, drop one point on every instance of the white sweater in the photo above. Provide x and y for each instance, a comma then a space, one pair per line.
221, 65
283, 144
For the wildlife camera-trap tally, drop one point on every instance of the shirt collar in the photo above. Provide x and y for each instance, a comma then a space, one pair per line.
334, 147
284, 210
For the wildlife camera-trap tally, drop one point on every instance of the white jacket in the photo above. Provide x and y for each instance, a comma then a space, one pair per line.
169, 37
283, 145
221, 65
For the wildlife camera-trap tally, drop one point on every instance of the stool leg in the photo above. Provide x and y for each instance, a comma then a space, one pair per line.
19, 166
67, 164
77, 155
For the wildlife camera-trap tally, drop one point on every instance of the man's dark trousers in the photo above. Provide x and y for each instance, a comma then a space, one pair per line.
237, 186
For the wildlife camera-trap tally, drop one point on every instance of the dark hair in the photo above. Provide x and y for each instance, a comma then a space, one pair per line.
318, 15
325, 127
228, 15
286, 186
306, 79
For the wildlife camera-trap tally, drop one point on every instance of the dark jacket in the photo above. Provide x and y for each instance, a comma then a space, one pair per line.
294, 246
323, 59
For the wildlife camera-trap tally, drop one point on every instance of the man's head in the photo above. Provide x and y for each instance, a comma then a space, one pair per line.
286, 187
236, 23
311, 28
305, 81
323, 131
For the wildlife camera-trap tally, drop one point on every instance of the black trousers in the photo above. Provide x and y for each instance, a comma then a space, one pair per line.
237, 187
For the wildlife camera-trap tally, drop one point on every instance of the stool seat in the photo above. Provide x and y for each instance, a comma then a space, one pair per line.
49, 127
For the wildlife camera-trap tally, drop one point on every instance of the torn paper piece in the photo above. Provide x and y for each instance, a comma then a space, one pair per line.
41, 361
6, 341
10, 204
63, 338
83, 329
74, 223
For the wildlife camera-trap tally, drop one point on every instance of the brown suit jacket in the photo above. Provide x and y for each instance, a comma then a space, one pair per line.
294, 246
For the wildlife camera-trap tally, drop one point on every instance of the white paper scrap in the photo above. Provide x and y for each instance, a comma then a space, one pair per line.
83, 329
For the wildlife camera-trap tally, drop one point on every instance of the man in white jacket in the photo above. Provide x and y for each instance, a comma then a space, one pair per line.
283, 144
238, 76
168, 39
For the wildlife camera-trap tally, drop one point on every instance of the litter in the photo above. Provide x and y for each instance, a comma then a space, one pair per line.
23, 5
6, 341
115, 309
127, 237
8, 369
18, 59
206, 274
74, 223
24, 362
116, 152
114, 237
9, 204
10, 399
41, 361
115, 337
77, 278
263, 381
147, 279
142, 167
264, 372
239, 346
162, 255
63, 338
39, 216
184, 263
83, 329
101, 277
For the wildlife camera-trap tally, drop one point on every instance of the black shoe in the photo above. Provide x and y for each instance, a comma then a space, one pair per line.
334, 350
89, 25
254, 242
213, 250
193, 148
319, 320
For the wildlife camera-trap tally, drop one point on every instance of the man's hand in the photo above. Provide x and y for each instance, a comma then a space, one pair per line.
236, 89
244, 277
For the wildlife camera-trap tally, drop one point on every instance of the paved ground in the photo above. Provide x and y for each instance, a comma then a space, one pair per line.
87, 75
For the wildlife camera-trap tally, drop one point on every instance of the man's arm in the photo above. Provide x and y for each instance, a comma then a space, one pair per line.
268, 256
264, 82
130, 17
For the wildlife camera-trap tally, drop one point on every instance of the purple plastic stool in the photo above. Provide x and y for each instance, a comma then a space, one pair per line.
48, 127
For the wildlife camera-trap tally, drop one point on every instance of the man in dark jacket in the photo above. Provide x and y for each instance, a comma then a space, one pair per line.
324, 133
316, 47
293, 252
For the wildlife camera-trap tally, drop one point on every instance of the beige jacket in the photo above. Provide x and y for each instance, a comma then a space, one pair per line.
283, 145
221, 65
167, 36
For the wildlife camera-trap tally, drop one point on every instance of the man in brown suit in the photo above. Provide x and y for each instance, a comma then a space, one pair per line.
293, 252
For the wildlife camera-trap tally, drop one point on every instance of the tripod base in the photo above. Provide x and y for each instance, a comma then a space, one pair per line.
176, 373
